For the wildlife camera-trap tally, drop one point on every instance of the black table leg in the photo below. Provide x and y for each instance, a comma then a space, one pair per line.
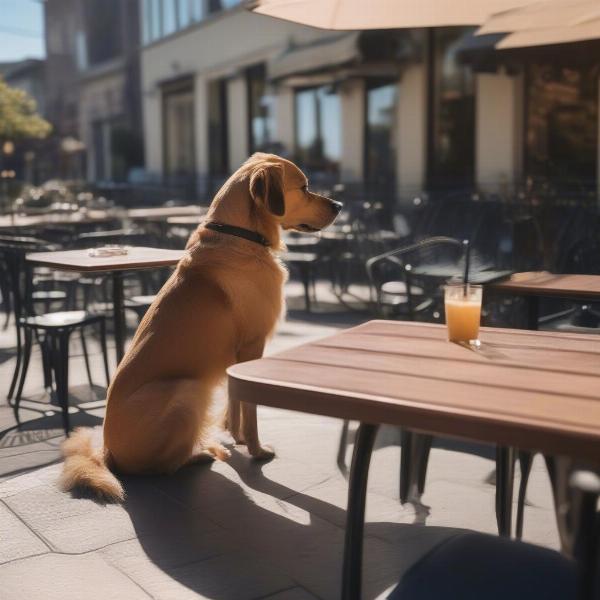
533, 312
505, 477
118, 314
355, 516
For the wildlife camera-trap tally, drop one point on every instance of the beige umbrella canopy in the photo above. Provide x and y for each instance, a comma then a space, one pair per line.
551, 35
383, 14
546, 22
543, 15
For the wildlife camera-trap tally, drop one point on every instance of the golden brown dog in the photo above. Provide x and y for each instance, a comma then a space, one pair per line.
218, 308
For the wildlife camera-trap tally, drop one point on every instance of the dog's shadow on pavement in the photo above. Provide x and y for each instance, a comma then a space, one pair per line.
231, 532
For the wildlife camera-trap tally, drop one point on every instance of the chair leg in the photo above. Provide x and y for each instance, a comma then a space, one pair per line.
525, 462
104, 350
505, 474
26, 358
46, 362
15, 377
406, 453
305, 274
86, 357
341, 455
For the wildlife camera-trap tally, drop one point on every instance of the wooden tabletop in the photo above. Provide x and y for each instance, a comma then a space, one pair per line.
191, 220
542, 283
49, 219
534, 390
138, 257
164, 212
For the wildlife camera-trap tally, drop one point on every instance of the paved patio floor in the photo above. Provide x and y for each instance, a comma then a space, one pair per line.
233, 531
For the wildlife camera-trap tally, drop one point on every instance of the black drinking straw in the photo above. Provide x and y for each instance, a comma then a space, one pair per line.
467, 248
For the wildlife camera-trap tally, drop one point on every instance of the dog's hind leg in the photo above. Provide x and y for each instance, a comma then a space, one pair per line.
204, 453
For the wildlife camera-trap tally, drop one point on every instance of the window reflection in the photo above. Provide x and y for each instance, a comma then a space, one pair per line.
318, 129
452, 135
178, 129
155, 19
562, 125
217, 129
169, 16
380, 151
260, 109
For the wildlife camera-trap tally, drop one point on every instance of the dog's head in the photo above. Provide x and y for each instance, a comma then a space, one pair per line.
281, 188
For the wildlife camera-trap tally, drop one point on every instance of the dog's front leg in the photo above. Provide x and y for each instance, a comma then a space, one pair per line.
234, 423
249, 424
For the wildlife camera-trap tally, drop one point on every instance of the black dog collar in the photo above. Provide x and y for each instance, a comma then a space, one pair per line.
247, 234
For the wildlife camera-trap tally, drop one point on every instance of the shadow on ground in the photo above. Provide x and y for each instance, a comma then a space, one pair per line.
263, 528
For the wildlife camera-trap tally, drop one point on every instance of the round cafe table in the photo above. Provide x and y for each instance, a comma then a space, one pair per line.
80, 261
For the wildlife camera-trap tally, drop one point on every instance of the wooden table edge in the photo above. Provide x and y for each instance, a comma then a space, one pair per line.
463, 424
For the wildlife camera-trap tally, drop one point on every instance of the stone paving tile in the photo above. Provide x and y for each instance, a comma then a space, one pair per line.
74, 525
30, 480
237, 575
64, 577
295, 593
16, 540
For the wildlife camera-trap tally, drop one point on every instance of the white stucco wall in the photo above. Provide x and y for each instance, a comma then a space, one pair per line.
411, 132
352, 101
237, 109
218, 47
497, 130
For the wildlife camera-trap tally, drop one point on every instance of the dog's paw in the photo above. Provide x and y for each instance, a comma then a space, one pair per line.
264, 452
219, 451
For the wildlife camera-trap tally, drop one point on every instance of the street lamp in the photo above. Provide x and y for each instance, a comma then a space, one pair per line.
8, 149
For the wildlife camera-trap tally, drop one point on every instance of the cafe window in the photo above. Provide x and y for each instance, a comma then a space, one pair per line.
178, 129
561, 125
260, 110
184, 12
155, 19
103, 30
380, 131
451, 118
318, 129
169, 16
218, 150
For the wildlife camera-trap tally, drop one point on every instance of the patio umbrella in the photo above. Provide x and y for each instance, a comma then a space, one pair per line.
553, 35
546, 22
383, 14
553, 14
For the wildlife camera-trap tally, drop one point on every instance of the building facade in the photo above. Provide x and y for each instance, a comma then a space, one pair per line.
393, 112
93, 87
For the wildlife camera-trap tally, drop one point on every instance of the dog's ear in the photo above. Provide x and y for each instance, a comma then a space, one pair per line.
266, 185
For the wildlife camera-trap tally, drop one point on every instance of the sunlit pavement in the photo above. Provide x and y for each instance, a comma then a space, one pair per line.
235, 530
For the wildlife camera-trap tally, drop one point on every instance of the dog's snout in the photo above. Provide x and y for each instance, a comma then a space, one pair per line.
336, 206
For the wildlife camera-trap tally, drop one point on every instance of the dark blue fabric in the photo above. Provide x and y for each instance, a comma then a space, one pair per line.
474, 566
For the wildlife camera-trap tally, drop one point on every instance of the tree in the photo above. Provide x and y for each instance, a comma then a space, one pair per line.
18, 116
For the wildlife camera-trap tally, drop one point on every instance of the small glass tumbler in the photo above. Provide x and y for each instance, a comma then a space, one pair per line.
463, 312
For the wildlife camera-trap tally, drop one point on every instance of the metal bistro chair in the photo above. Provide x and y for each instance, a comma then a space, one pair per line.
52, 330
414, 447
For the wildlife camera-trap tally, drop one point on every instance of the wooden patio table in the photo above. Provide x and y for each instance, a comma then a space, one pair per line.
533, 390
137, 258
536, 284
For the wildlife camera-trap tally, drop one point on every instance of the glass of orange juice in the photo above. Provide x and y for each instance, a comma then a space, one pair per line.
463, 312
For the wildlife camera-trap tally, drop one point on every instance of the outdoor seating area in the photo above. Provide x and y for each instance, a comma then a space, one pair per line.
300, 300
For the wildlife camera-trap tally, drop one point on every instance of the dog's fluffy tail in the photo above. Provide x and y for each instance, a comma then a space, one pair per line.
86, 467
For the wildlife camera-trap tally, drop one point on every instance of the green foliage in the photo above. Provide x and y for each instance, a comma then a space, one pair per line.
18, 116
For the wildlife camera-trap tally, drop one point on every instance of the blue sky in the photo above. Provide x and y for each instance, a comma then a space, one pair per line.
21, 29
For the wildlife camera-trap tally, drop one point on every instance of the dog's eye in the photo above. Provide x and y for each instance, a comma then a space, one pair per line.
304, 188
